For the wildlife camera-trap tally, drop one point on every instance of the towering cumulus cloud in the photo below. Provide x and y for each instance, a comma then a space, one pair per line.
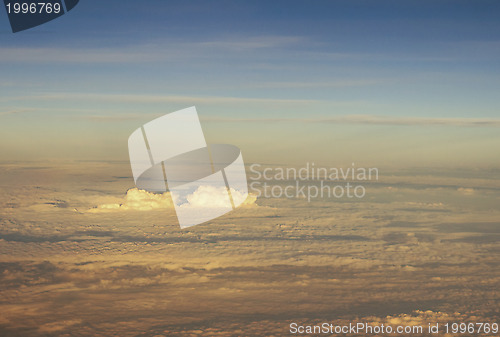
204, 196
137, 200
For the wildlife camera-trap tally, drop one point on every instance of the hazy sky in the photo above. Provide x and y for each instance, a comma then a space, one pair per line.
288, 81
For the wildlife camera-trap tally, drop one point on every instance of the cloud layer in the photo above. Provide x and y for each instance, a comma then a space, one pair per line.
415, 253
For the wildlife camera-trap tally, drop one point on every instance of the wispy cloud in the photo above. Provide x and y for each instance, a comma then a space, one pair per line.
15, 111
113, 118
307, 105
341, 83
139, 98
345, 119
254, 42
370, 120
153, 51
37, 55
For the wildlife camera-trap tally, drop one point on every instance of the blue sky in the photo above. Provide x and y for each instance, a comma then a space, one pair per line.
108, 66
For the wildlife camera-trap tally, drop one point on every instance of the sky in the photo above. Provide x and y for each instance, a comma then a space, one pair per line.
396, 83
408, 87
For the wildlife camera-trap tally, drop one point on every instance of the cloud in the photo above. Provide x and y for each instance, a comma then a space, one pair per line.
466, 191
58, 326
152, 266
344, 83
253, 43
147, 52
137, 200
421, 318
15, 111
39, 55
239, 198
113, 118
207, 197
204, 196
216, 197
142, 98
371, 120
354, 119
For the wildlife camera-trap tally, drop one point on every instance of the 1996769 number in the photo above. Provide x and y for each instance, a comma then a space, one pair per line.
33, 8
471, 328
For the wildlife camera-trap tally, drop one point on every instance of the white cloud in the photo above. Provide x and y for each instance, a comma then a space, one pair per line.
242, 198
204, 196
216, 197
207, 196
137, 200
